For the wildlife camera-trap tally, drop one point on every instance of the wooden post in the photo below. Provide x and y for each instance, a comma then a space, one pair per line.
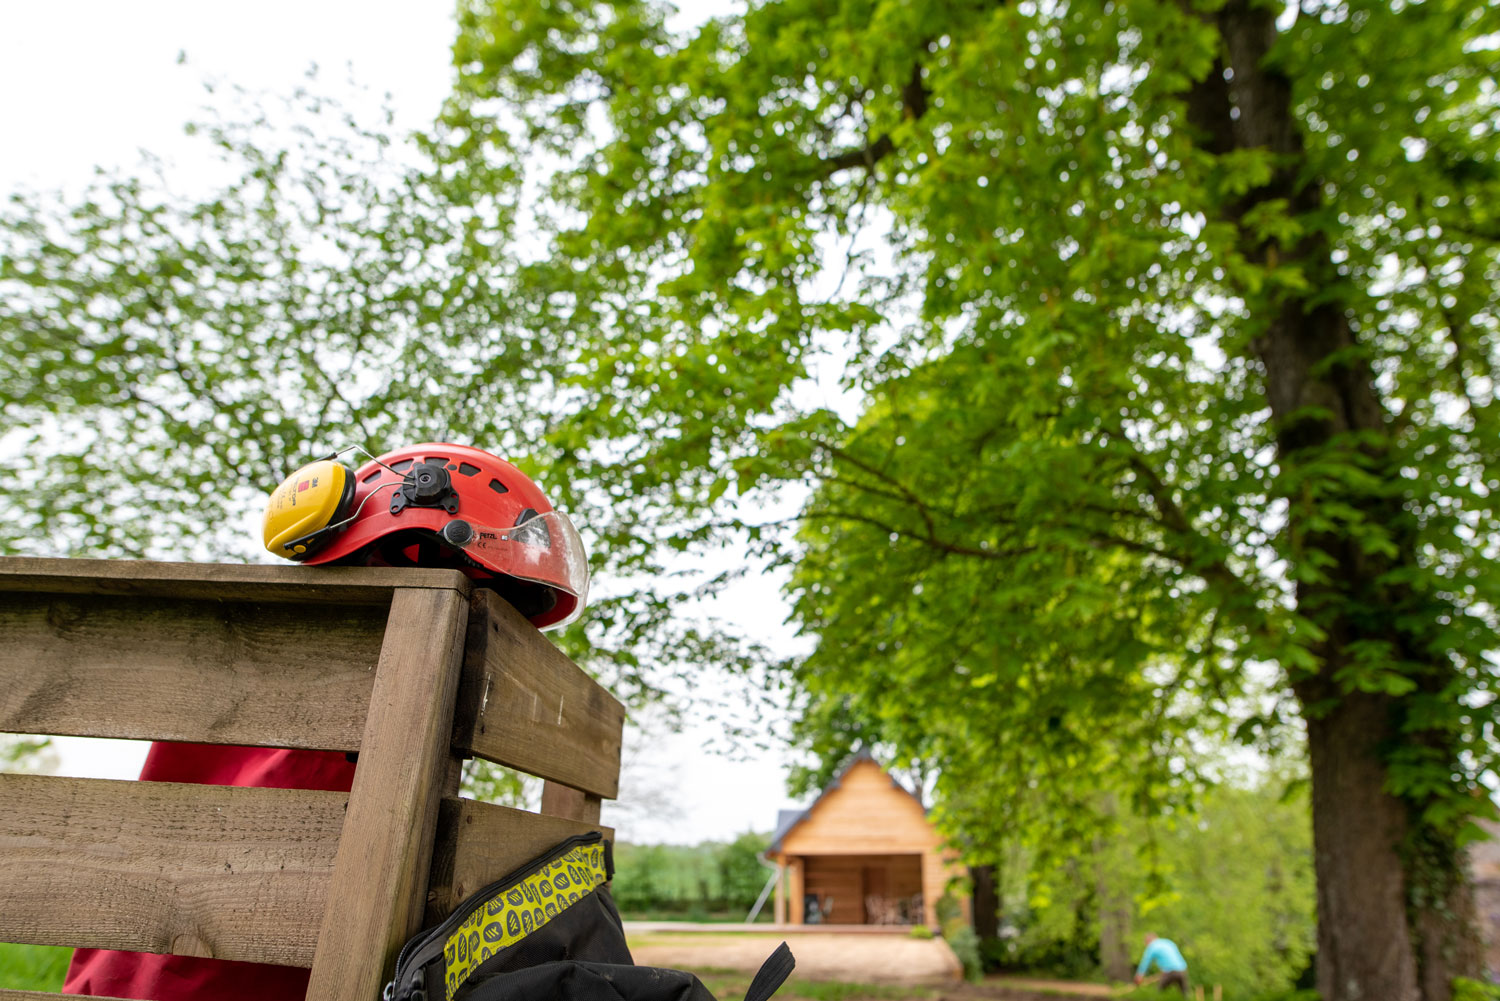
379, 893
778, 909
563, 801
795, 910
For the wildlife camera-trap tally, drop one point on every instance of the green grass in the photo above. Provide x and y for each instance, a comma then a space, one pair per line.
33, 967
699, 917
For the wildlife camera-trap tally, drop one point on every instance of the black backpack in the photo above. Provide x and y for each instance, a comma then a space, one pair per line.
548, 931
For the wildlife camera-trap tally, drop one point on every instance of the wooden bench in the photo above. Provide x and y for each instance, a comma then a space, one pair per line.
415, 670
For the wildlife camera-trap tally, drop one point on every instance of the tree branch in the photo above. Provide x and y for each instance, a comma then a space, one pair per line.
930, 541
906, 492
914, 96
864, 156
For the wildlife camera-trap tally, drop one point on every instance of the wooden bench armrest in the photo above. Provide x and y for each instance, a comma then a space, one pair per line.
524, 704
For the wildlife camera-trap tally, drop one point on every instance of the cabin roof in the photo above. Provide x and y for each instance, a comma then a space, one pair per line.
788, 819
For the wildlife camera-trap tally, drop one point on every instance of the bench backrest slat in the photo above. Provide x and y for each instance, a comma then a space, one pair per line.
164, 668
200, 870
220, 581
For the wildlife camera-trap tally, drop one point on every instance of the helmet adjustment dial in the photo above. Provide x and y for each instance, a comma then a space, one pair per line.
427, 484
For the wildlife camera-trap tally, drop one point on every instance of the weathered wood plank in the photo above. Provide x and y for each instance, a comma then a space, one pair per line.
154, 668
378, 895
198, 870
563, 801
221, 581
526, 705
478, 843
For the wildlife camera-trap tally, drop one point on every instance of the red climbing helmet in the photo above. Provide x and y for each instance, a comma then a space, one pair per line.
435, 505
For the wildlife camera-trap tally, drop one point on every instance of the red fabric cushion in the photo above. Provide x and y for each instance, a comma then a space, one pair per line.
143, 975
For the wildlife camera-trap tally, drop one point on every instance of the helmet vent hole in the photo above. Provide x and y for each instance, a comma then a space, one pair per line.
436, 460
372, 477
498, 487
402, 466
465, 469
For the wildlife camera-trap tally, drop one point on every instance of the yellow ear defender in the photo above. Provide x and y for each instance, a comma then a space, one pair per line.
308, 507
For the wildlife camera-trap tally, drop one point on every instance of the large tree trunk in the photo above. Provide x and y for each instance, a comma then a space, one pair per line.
1396, 919
986, 901
1113, 899
1114, 928
1364, 944
1394, 916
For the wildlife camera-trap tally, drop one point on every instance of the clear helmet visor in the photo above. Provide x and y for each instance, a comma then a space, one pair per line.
544, 549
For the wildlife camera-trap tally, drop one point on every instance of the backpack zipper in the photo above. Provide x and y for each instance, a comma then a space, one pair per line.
407, 959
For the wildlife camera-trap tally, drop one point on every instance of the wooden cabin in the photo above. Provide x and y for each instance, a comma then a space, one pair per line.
864, 853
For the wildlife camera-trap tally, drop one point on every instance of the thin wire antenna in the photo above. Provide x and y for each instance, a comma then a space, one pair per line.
376, 489
359, 448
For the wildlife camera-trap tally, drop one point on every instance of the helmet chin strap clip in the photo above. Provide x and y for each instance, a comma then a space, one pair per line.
427, 484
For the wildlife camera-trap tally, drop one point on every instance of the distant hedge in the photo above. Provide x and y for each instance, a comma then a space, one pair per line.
708, 878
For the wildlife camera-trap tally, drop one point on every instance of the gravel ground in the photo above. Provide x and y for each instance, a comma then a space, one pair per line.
880, 959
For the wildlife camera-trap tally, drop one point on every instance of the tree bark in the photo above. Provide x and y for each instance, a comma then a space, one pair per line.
986, 902
1364, 944
1396, 917
1114, 919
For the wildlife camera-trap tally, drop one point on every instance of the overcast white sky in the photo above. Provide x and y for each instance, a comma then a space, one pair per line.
93, 83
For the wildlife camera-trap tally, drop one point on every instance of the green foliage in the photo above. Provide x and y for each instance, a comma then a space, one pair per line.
742, 875
1058, 937
1231, 884
492, 783
169, 355
959, 933
948, 909
26, 754
33, 967
962, 939
690, 881
1238, 892
921, 932
1465, 989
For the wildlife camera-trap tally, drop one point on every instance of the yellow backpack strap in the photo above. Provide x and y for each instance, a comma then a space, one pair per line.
527, 905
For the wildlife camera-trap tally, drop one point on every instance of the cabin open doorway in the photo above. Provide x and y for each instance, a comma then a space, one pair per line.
863, 890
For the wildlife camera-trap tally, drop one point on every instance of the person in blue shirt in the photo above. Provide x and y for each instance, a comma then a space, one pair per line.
1164, 953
